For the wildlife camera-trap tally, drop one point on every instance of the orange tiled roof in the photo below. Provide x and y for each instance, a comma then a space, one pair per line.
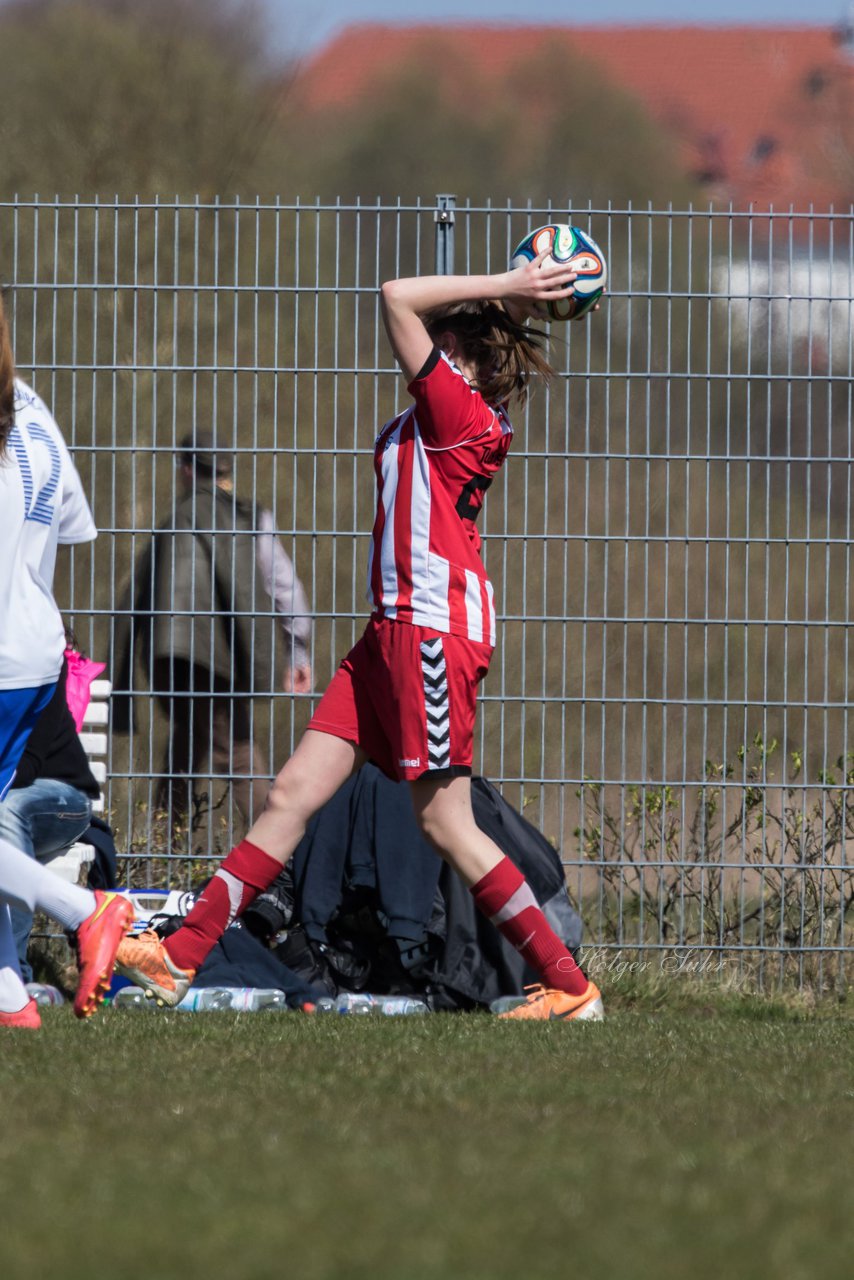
762, 114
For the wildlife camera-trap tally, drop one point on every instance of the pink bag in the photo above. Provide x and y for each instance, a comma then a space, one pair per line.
81, 672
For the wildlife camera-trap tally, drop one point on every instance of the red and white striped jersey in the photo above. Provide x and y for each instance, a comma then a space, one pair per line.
433, 465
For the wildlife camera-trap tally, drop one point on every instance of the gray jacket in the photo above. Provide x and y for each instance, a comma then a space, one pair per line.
215, 588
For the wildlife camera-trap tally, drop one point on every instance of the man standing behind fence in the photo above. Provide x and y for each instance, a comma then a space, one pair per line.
218, 616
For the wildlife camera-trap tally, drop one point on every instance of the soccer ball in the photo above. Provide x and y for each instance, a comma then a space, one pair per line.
581, 253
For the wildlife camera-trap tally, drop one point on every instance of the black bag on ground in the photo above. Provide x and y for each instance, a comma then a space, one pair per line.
239, 960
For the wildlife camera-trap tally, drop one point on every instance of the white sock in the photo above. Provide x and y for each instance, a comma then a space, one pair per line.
25, 883
13, 993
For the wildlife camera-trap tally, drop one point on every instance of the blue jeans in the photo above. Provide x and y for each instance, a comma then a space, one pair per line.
42, 820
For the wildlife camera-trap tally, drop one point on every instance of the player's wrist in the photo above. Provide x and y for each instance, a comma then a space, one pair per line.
501, 286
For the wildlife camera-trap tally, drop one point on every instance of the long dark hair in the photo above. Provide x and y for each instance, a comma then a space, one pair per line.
504, 352
7, 382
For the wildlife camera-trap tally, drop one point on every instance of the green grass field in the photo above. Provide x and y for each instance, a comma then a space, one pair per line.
697, 1138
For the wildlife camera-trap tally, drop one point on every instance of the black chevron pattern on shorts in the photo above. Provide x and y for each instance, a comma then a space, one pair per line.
436, 704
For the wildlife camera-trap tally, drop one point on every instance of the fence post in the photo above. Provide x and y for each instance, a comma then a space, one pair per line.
444, 220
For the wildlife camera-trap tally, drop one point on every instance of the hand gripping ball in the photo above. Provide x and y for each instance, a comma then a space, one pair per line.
581, 253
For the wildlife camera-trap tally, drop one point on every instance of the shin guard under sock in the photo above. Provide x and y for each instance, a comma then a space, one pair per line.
505, 896
246, 872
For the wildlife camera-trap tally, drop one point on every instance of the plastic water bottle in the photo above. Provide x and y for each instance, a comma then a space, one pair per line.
354, 1002
258, 1000
394, 1006
505, 1003
345, 1002
363, 1002
44, 994
132, 998
205, 1000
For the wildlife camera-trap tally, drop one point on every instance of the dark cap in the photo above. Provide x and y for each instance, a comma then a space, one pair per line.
199, 450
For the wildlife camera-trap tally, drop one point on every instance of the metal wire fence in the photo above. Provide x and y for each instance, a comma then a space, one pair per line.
669, 543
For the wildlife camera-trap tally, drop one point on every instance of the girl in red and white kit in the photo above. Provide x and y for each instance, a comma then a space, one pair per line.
405, 695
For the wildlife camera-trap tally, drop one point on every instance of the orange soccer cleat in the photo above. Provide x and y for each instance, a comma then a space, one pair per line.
28, 1017
144, 959
558, 1006
97, 942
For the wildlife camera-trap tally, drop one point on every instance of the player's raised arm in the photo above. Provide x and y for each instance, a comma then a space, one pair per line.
406, 301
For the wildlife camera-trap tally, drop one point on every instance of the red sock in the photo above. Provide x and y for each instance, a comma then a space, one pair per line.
245, 873
505, 896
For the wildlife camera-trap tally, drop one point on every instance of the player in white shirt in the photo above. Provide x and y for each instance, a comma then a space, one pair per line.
41, 505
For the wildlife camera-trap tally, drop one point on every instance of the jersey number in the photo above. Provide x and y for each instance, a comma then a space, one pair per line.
466, 509
41, 509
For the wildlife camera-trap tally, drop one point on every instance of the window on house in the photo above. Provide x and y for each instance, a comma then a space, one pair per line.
815, 82
763, 149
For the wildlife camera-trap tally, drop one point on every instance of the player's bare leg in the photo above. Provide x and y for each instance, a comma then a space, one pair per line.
320, 765
444, 813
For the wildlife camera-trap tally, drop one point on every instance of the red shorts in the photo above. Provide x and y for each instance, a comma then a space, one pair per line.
407, 696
